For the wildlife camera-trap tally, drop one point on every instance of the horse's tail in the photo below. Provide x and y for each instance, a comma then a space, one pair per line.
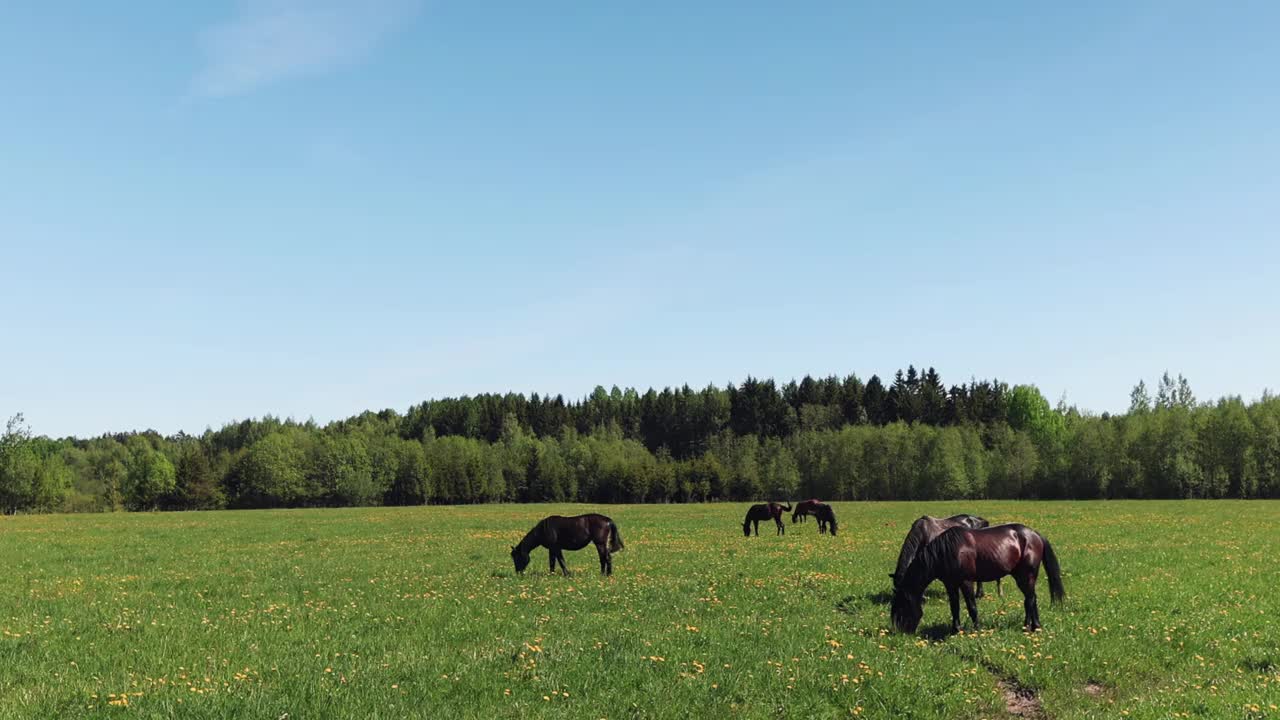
615, 539
1056, 591
786, 507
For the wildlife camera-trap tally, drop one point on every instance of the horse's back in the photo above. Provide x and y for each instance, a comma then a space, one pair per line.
972, 521
585, 517
1008, 540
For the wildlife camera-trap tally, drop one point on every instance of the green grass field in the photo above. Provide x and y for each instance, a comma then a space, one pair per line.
416, 612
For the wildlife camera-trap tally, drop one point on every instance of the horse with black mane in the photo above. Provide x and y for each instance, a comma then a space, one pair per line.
804, 509
961, 556
925, 529
765, 511
558, 533
826, 519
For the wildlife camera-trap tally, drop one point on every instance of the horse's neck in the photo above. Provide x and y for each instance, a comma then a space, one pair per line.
918, 575
532, 539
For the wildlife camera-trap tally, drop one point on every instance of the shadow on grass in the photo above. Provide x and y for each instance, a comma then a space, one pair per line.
847, 605
936, 632
883, 597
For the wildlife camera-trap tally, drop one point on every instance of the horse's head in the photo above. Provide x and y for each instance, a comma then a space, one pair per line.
834, 526
746, 528
906, 610
520, 558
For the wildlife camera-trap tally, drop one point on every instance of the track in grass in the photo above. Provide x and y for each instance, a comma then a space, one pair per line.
416, 612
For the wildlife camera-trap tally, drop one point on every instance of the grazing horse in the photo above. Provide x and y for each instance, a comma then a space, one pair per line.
926, 529
826, 519
804, 509
960, 556
765, 511
558, 533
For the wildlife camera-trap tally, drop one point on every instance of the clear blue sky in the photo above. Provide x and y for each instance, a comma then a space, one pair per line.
211, 211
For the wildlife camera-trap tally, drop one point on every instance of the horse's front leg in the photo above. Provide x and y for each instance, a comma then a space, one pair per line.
551, 557
560, 559
970, 602
953, 596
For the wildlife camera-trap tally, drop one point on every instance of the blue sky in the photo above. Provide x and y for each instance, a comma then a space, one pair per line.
210, 211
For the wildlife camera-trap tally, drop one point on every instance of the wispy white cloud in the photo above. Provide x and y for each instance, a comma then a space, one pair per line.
273, 40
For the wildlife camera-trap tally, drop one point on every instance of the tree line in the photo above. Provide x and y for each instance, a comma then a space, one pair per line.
833, 438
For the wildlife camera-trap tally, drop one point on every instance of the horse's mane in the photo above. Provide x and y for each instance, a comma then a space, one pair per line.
910, 546
941, 554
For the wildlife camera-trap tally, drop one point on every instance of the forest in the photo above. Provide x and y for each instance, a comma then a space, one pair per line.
832, 438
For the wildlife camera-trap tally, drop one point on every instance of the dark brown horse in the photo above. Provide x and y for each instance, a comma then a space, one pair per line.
826, 519
960, 556
804, 509
765, 511
926, 529
558, 533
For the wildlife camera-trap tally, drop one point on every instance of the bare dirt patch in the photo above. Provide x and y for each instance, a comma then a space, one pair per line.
1021, 701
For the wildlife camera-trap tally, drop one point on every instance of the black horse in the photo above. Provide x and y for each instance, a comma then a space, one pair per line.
960, 556
558, 533
926, 529
804, 509
765, 511
826, 519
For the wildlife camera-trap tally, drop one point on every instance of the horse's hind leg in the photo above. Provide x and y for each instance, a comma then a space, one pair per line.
606, 563
1031, 609
969, 602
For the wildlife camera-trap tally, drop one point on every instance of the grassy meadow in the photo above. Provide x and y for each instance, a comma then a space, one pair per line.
417, 612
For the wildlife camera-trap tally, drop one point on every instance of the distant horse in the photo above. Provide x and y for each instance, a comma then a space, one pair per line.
804, 509
960, 556
558, 533
826, 519
765, 511
927, 528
